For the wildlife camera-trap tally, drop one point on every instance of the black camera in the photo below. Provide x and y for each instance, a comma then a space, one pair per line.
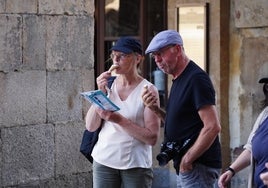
171, 150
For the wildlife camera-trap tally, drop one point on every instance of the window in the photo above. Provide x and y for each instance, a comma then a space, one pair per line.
116, 18
192, 25
121, 19
137, 18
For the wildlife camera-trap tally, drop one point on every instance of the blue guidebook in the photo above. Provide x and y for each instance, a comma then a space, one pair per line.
98, 98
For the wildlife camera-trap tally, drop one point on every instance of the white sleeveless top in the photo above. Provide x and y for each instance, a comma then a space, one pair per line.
115, 147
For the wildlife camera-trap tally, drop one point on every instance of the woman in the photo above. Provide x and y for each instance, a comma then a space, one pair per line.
123, 154
254, 154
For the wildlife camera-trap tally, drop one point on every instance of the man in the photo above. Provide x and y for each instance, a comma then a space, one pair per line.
190, 110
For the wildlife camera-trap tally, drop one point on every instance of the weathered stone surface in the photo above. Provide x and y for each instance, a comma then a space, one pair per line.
82, 180
69, 42
10, 42
254, 57
250, 13
68, 7
46, 60
21, 6
28, 154
22, 98
68, 138
90, 7
63, 96
88, 84
1, 158
34, 42
2, 8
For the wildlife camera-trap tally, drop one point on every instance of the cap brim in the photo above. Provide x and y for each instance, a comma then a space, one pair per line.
122, 49
263, 80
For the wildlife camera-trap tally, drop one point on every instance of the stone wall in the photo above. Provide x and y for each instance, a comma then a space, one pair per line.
46, 60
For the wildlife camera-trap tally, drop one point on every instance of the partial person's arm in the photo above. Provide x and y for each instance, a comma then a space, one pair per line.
242, 161
93, 120
208, 133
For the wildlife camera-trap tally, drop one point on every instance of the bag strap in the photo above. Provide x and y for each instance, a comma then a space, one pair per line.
110, 81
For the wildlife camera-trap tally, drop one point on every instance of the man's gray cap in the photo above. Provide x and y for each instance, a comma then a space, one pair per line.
162, 39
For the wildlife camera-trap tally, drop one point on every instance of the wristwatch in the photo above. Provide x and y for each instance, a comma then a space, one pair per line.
231, 169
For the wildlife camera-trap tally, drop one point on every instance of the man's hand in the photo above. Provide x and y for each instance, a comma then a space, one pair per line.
185, 166
149, 99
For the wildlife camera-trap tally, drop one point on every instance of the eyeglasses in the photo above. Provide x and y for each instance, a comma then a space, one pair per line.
161, 51
120, 56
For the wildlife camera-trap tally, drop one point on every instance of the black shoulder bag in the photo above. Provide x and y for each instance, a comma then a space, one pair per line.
89, 139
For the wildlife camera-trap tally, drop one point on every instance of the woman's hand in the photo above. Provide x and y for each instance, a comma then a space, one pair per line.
224, 179
109, 115
102, 81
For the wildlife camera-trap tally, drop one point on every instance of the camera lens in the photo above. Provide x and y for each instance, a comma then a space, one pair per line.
162, 158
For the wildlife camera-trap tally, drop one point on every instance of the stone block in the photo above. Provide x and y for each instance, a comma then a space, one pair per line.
22, 98
82, 180
34, 42
21, 6
250, 13
70, 42
2, 10
68, 7
90, 7
1, 158
88, 84
63, 96
68, 138
254, 56
10, 42
28, 154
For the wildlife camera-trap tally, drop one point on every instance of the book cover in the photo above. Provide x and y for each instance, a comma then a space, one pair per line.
97, 97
